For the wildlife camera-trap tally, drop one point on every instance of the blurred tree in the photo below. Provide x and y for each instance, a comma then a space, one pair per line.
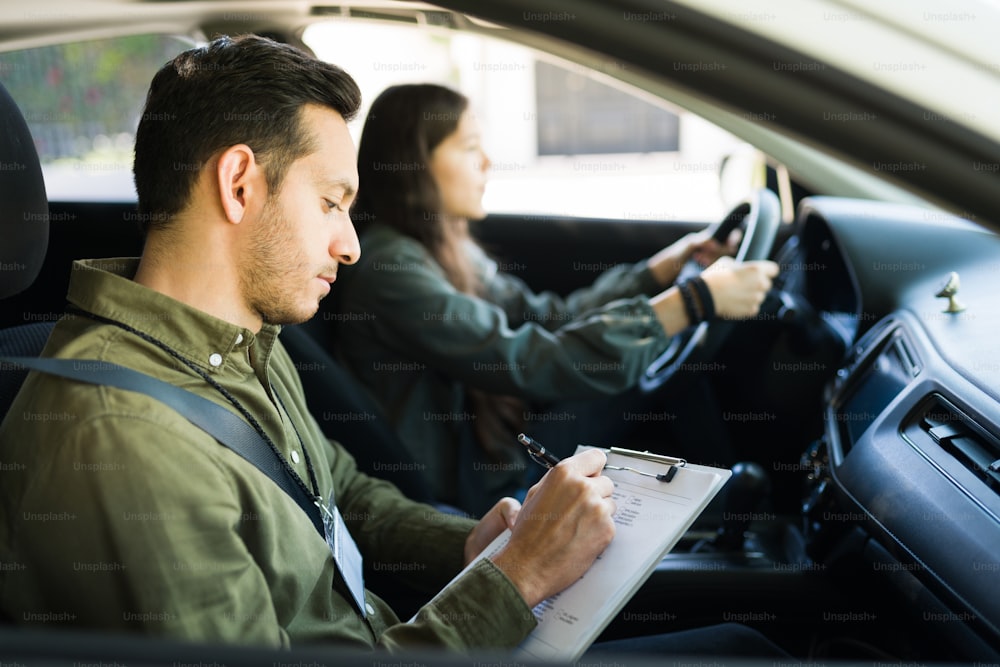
79, 96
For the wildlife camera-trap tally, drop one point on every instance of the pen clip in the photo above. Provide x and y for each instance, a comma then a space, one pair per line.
537, 452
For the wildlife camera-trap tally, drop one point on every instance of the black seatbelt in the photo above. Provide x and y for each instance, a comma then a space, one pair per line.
217, 421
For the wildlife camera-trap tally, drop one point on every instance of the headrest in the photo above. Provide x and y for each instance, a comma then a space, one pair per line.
24, 208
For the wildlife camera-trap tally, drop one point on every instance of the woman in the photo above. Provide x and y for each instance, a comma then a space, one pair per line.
458, 353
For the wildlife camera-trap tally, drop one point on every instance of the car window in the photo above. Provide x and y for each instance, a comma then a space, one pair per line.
82, 102
563, 139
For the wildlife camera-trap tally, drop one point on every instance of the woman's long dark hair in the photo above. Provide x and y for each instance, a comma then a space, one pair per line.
405, 124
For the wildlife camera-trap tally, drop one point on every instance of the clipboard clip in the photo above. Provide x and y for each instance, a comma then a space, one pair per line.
671, 461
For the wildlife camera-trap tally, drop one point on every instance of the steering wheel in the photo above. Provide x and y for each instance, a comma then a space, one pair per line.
693, 348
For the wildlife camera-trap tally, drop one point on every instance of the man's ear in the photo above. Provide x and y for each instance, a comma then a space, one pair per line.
241, 181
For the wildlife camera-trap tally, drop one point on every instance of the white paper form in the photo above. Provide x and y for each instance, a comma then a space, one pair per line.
650, 519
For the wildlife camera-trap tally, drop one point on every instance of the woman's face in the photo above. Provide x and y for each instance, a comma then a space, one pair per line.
458, 166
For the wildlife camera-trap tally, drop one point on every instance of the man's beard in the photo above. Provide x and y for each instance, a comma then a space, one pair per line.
266, 280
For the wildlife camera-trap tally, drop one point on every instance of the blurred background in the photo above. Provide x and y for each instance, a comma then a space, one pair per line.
563, 139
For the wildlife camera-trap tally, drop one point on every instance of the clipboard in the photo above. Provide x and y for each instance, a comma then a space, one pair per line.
653, 513
658, 499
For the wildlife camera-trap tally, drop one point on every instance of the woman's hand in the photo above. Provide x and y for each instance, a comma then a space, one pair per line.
699, 246
707, 251
738, 289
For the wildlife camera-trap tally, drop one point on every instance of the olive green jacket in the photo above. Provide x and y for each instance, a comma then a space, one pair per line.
117, 513
416, 343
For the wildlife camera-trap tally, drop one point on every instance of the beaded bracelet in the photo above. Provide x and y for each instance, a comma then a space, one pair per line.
687, 296
705, 297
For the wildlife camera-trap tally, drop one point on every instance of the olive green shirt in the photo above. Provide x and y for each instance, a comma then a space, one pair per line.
117, 513
417, 343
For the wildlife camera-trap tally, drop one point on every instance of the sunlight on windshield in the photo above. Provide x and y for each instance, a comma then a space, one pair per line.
561, 141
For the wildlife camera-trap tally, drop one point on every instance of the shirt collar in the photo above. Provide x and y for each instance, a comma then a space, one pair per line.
104, 287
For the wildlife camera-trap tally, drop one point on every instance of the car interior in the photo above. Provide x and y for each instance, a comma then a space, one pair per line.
860, 411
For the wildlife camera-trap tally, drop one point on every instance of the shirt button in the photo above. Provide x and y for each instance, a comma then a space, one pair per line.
215, 359
239, 338
295, 456
370, 609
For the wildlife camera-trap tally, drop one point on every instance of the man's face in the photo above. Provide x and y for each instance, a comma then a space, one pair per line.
304, 232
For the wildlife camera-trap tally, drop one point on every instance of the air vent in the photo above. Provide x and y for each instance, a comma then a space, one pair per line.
959, 435
907, 358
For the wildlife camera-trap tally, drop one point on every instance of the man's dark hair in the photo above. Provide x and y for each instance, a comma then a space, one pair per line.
243, 90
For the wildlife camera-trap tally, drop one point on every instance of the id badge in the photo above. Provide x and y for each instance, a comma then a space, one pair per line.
346, 556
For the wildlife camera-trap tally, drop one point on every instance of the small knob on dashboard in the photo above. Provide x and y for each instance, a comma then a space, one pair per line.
949, 290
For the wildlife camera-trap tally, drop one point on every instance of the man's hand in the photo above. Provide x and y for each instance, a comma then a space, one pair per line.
739, 289
500, 517
564, 525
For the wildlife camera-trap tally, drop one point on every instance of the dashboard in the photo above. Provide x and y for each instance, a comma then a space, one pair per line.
906, 474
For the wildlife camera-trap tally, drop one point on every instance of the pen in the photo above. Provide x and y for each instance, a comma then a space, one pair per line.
537, 452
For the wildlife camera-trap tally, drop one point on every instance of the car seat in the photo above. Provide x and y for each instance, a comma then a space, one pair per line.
348, 414
24, 230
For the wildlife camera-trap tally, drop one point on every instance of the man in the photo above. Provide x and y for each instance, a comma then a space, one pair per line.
128, 517
122, 515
